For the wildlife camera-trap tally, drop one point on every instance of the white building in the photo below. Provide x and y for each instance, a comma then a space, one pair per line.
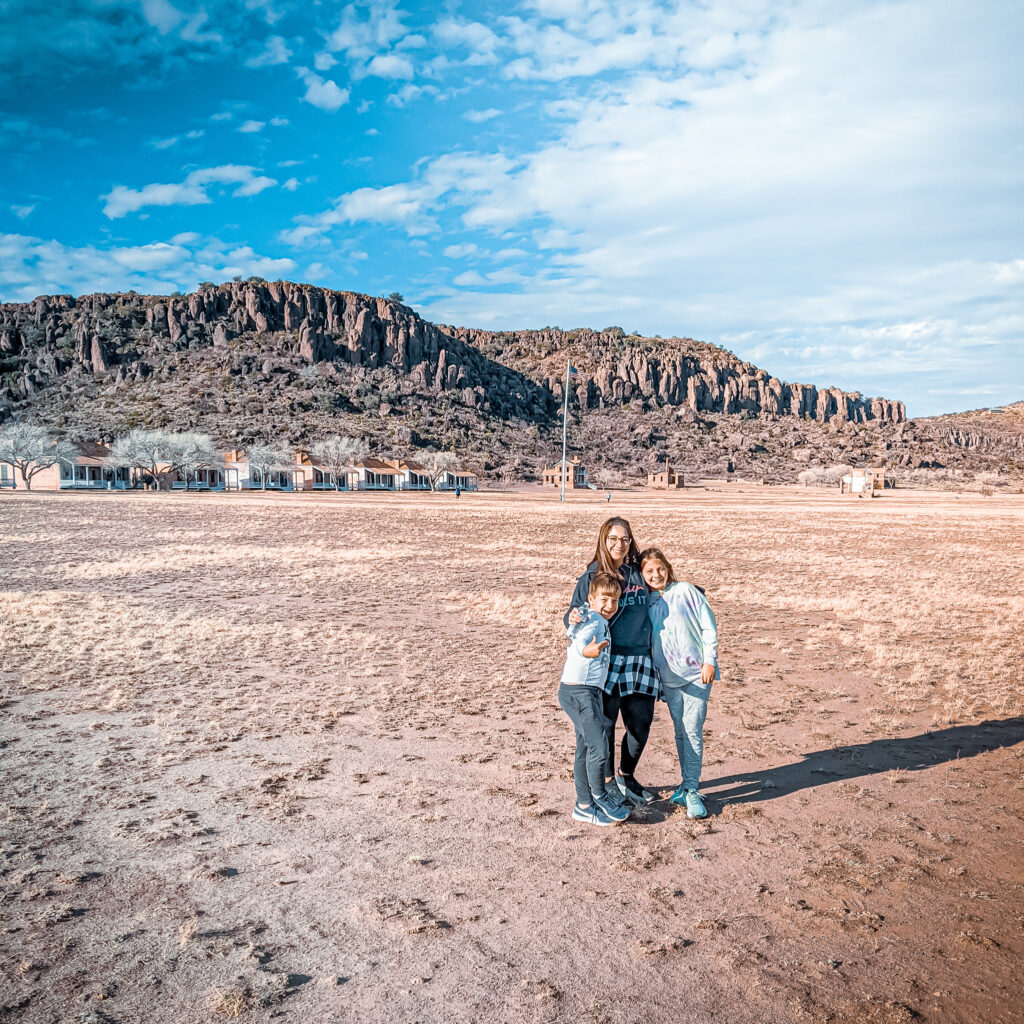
461, 478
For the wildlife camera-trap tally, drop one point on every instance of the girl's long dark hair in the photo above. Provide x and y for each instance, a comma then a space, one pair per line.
601, 556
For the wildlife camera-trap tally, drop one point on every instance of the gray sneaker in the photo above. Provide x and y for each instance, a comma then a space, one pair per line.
592, 815
633, 791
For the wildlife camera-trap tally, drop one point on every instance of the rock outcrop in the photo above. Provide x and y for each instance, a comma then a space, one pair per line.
100, 334
616, 369
51, 336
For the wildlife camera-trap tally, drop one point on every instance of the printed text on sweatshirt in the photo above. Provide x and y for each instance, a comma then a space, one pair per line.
630, 626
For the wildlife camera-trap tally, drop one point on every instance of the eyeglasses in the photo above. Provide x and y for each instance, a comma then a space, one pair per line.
617, 540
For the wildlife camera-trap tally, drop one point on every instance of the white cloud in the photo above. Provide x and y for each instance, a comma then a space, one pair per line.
406, 206
291, 185
163, 16
472, 35
279, 122
254, 186
367, 29
461, 250
143, 258
323, 94
479, 116
249, 127
324, 61
391, 65
190, 192
33, 266
394, 204
459, 178
275, 52
195, 133
409, 92
165, 143
23, 212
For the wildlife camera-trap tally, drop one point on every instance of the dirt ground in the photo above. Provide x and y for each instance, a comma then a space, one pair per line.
300, 758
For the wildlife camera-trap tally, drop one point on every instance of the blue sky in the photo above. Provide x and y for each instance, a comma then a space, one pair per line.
832, 189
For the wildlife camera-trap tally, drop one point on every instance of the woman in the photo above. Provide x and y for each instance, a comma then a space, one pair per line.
632, 686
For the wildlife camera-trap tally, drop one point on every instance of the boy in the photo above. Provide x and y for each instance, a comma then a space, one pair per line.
580, 695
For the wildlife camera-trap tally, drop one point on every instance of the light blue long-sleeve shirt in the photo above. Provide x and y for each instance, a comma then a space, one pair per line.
580, 670
684, 635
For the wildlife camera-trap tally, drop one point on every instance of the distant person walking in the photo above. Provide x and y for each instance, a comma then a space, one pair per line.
458, 491
632, 685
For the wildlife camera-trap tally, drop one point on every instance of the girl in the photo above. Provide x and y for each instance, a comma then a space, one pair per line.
685, 650
632, 684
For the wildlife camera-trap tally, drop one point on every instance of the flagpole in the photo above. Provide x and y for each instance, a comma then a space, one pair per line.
565, 415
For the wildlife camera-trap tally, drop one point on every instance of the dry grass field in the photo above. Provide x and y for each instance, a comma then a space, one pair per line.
300, 758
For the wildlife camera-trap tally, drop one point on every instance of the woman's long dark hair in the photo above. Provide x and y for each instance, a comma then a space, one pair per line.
601, 556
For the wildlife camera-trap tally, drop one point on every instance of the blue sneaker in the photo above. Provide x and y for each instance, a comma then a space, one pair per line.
679, 795
592, 815
694, 805
613, 807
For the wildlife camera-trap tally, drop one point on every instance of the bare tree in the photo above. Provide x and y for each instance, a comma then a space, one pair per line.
439, 463
266, 458
836, 473
148, 451
812, 477
190, 452
31, 449
337, 453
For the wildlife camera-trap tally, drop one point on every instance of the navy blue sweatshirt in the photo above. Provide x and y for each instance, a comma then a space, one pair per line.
630, 625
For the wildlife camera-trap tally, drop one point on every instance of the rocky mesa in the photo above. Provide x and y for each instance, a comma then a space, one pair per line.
281, 360
55, 335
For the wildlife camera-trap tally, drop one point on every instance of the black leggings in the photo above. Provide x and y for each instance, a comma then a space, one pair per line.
637, 711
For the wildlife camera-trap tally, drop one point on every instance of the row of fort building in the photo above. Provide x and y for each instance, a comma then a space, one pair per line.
92, 471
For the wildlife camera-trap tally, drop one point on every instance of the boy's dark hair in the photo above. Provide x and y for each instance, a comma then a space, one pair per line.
655, 554
605, 582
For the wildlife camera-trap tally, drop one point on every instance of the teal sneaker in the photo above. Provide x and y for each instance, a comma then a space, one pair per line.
694, 805
679, 795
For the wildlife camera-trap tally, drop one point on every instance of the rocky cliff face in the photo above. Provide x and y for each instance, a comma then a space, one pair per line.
118, 334
616, 369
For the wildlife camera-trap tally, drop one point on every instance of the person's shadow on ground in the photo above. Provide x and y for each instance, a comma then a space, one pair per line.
911, 753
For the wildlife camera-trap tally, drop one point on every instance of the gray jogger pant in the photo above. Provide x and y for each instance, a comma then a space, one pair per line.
584, 705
